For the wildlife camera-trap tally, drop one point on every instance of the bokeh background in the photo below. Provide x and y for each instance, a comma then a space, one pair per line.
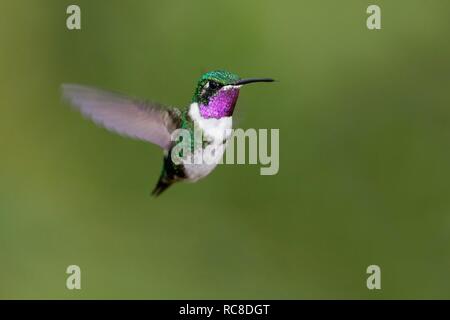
364, 119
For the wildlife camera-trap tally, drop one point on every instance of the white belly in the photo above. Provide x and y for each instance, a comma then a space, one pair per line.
217, 132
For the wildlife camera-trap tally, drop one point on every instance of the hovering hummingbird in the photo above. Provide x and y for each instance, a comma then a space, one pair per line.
210, 111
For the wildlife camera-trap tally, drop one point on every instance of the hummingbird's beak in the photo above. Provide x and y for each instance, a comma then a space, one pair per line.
251, 80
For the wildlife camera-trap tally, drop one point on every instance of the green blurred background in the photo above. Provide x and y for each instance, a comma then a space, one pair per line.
364, 174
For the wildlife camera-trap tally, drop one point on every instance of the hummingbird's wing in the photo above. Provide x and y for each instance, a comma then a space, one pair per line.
124, 115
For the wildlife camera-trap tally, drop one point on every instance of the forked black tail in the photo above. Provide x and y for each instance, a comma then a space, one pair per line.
160, 187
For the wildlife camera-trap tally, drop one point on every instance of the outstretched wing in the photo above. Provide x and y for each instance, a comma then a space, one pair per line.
124, 115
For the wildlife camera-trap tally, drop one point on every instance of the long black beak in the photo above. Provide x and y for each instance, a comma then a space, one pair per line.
251, 80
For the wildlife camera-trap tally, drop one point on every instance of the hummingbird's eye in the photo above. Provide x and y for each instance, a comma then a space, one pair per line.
213, 85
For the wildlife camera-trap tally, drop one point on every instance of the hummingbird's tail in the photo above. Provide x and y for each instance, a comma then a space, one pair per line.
161, 186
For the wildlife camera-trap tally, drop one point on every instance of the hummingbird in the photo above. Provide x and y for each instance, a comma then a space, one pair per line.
211, 111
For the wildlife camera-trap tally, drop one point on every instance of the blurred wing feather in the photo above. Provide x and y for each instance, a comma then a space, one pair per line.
124, 115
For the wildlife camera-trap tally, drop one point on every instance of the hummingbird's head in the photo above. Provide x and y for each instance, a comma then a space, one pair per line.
217, 92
